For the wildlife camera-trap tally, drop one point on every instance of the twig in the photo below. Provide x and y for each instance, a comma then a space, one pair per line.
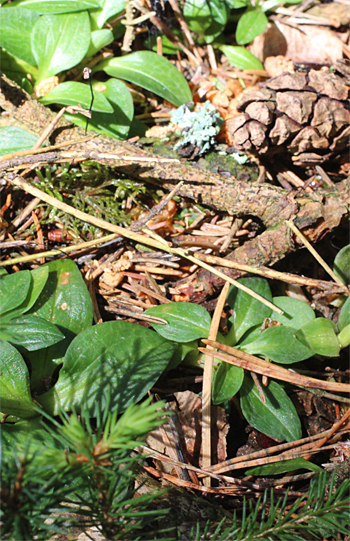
250, 362
207, 381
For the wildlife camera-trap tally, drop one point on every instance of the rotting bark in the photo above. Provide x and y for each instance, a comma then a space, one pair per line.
314, 213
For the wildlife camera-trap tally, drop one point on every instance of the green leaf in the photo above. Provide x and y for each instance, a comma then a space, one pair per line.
189, 349
119, 97
108, 9
276, 418
64, 301
59, 6
15, 398
18, 70
250, 25
296, 312
73, 93
13, 139
186, 321
120, 356
344, 315
99, 39
226, 383
13, 290
241, 58
280, 344
284, 466
344, 336
206, 19
319, 335
16, 25
151, 71
30, 332
247, 311
15, 436
38, 280
342, 264
60, 42
118, 123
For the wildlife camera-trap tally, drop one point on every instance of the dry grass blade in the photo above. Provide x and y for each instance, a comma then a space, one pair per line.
254, 364
207, 380
317, 257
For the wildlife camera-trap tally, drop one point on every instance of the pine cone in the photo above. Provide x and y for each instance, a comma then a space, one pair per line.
305, 114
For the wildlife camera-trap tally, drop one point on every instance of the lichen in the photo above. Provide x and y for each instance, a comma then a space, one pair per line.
197, 128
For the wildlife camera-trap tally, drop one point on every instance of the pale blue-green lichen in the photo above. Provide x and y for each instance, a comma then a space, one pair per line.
197, 128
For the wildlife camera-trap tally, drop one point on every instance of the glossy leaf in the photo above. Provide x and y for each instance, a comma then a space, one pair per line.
344, 336
15, 436
15, 398
17, 70
13, 139
13, 290
296, 312
186, 321
151, 71
206, 19
344, 316
342, 264
280, 345
122, 357
30, 332
59, 42
38, 280
276, 418
16, 25
58, 6
319, 335
99, 39
227, 382
73, 93
241, 58
284, 466
64, 301
247, 311
250, 25
118, 124
107, 9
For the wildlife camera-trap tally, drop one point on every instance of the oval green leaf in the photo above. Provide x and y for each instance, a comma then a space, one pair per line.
342, 264
16, 437
13, 290
250, 25
344, 316
15, 398
241, 58
16, 25
319, 335
60, 42
38, 280
186, 321
118, 356
65, 301
247, 311
108, 9
284, 466
59, 6
280, 345
99, 39
296, 312
151, 71
73, 93
13, 139
30, 332
226, 383
276, 418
